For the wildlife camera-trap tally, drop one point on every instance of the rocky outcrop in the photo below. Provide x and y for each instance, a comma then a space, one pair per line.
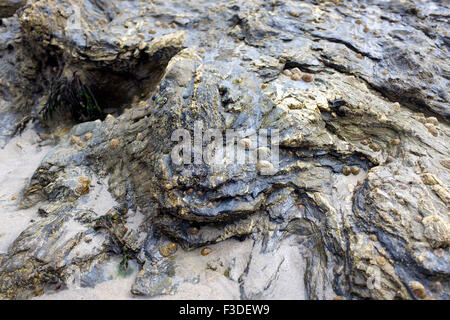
357, 93
9, 7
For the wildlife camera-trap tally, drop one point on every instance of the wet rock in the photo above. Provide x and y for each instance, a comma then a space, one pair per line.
355, 209
155, 280
34, 263
9, 7
437, 231
436, 287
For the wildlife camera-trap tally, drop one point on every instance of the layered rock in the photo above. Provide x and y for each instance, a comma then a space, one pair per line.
361, 190
9, 7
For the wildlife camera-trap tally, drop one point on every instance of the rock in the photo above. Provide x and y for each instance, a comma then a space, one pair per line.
436, 287
303, 230
30, 267
437, 231
155, 281
9, 7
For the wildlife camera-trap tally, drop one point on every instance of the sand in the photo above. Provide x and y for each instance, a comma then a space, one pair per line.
18, 161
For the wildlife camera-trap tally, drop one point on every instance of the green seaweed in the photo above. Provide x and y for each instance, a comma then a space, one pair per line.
74, 95
124, 269
118, 245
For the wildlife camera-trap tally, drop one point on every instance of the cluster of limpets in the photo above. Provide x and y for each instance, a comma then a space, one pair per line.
295, 74
74, 140
346, 170
431, 123
165, 25
83, 185
374, 147
167, 249
420, 292
192, 231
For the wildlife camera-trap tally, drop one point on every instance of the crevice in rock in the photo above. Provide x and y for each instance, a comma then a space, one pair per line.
302, 66
407, 99
245, 273
347, 44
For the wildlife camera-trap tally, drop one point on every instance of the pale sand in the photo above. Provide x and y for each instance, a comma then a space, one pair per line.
18, 161
197, 281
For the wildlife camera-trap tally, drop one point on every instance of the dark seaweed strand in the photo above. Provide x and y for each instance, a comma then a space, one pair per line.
76, 95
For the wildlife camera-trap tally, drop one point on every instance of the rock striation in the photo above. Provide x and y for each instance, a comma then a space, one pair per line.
358, 91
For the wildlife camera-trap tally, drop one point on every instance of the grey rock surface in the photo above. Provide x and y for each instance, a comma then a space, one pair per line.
358, 207
9, 7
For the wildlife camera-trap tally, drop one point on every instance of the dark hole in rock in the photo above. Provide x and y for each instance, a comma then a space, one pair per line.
74, 97
337, 104
52, 61
241, 237
115, 91
302, 67
74, 89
